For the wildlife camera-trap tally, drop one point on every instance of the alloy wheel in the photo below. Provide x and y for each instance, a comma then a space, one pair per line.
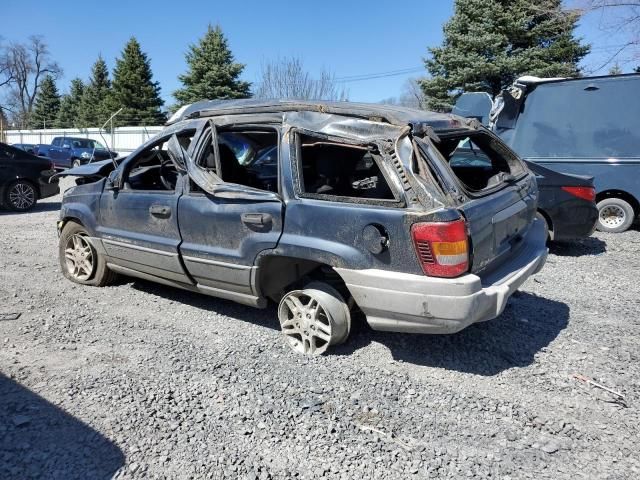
305, 323
79, 258
22, 196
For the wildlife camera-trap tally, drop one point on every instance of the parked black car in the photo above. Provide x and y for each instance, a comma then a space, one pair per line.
24, 178
566, 202
27, 147
373, 208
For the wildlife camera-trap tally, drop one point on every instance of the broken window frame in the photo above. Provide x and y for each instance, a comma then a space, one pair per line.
212, 184
298, 180
445, 176
127, 167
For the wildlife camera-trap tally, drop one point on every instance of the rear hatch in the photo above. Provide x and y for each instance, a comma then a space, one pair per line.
489, 185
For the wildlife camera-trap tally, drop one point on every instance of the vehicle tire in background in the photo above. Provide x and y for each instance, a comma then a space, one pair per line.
314, 318
76, 163
614, 215
79, 260
20, 196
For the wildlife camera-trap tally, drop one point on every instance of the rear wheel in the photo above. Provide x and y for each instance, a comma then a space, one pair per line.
314, 318
614, 215
21, 196
79, 260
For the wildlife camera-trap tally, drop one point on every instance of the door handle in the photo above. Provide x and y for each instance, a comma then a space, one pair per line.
161, 211
260, 219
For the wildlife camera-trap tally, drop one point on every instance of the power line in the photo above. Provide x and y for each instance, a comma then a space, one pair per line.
371, 76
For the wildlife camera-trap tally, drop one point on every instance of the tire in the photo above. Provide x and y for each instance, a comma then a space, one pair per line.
314, 318
20, 196
76, 163
79, 260
614, 215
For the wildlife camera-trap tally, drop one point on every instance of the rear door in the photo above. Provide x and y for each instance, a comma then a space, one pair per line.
491, 187
224, 226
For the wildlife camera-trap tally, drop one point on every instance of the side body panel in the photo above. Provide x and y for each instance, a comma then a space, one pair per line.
221, 238
139, 230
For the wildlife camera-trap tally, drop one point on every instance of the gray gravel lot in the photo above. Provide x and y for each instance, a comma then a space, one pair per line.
139, 380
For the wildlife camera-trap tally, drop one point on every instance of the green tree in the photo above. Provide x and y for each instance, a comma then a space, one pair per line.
46, 106
213, 72
134, 90
489, 43
637, 69
69, 115
615, 69
96, 100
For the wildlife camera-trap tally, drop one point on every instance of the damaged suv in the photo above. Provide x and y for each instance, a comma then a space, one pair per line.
423, 222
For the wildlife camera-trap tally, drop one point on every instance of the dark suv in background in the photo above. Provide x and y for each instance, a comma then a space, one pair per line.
584, 126
334, 208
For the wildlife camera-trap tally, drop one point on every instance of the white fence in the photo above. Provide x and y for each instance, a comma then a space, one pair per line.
123, 140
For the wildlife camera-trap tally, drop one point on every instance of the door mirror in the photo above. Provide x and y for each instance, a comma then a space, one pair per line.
113, 181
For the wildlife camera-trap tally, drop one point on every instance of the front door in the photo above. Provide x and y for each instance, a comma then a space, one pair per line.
139, 220
224, 231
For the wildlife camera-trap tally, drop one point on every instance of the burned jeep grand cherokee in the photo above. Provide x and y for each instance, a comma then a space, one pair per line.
423, 222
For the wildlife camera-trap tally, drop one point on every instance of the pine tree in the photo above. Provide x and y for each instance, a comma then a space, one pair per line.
212, 72
69, 115
134, 90
615, 69
96, 108
47, 104
489, 43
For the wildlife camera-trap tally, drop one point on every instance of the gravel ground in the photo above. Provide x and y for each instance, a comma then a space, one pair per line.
139, 380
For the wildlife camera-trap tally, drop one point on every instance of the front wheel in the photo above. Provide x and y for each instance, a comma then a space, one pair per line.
314, 318
76, 163
614, 215
79, 260
21, 196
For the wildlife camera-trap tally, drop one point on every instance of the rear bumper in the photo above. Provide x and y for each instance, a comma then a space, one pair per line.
572, 220
48, 189
401, 302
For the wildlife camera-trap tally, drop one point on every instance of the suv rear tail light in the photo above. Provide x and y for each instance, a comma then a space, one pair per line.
586, 193
442, 247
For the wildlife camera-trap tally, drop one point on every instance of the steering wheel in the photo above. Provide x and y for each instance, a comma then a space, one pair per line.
168, 176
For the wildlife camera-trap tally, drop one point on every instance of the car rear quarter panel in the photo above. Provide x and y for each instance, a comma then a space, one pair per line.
609, 174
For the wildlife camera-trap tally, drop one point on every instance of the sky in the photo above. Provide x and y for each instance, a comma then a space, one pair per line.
349, 38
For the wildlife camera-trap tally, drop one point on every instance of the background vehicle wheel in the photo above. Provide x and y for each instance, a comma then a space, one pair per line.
76, 163
614, 215
314, 318
21, 196
79, 261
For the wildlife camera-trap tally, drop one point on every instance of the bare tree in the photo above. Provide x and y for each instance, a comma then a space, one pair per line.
286, 78
28, 64
619, 17
6, 75
411, 96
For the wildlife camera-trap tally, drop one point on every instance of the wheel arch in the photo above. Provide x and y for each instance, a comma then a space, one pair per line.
547, 219
276, 273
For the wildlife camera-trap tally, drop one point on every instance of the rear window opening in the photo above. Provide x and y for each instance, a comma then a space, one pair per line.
336, 170
476, 161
